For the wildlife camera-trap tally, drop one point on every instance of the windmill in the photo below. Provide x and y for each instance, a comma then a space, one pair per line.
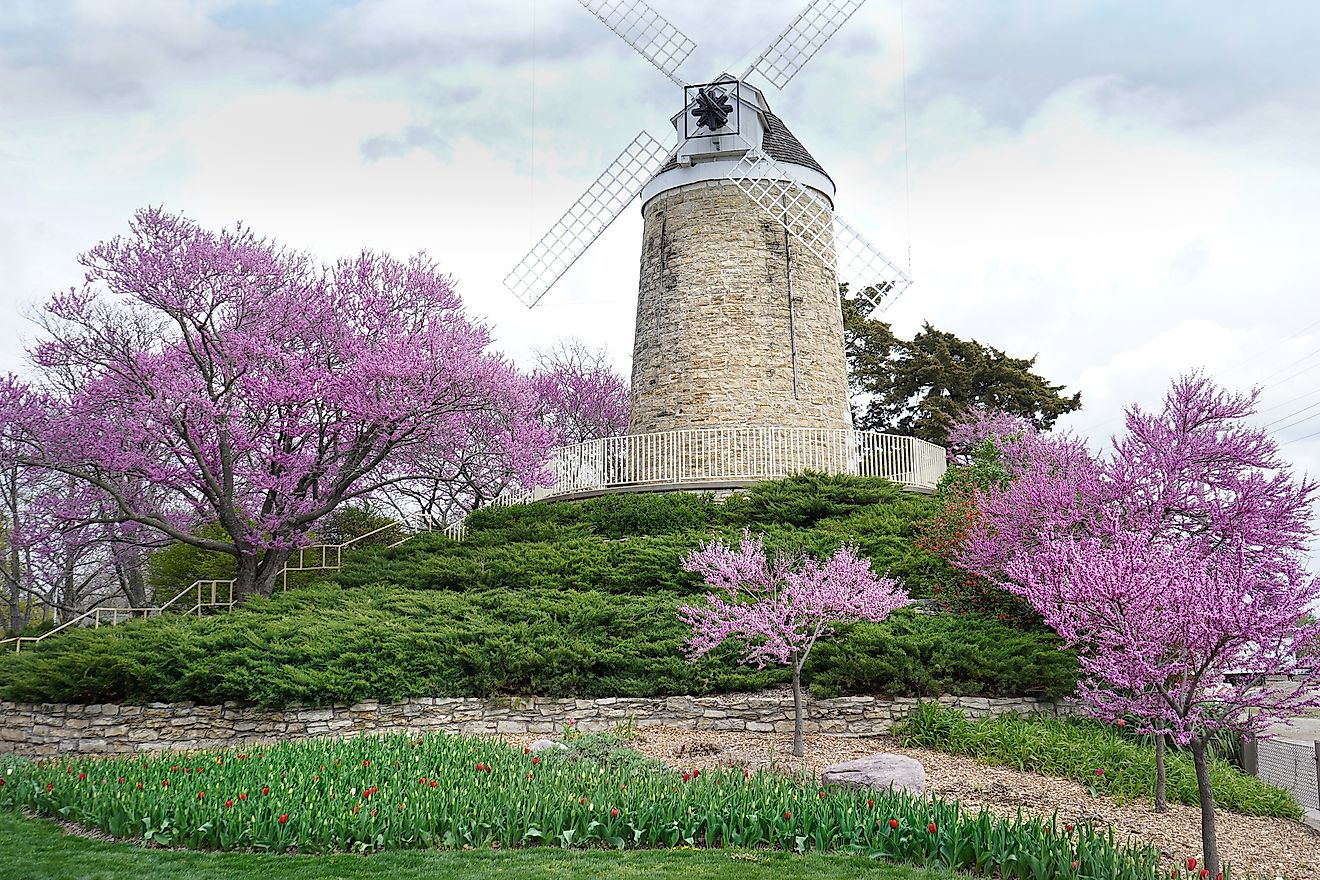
738, 317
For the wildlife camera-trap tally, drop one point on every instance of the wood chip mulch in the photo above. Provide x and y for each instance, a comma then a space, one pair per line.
1256, 847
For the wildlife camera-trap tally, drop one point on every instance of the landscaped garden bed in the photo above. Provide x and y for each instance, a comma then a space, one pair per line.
371, 794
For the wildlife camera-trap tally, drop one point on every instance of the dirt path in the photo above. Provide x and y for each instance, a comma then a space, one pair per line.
1258, 847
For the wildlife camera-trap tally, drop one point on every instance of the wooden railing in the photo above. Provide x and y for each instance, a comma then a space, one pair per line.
200, 597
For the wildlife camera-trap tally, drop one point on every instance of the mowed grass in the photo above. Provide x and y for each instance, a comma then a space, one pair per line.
32, 849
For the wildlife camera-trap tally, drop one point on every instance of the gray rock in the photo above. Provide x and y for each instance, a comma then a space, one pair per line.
541, 745
880, 772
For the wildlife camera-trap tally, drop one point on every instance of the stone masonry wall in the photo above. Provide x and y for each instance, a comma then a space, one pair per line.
712, 345
63, 729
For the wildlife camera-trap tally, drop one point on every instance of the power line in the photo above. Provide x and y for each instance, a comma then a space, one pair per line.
1291, 414
1305, 357
1304, 394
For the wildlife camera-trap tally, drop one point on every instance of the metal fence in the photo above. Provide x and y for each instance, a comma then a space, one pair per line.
1290, 764
726, 454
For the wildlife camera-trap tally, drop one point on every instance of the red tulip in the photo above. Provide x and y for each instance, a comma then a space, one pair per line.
536, 760
687, 777
121, 780
1121, 723
284, 818
200, 795
1191, 864
893, 823
265, 789
933, 829
243, 796
1068, 828
1205, 872
1074, 864
165, 783
1099, 772
139, 785
614, 813
50, 786
870, 805
582, 801
822, 794
366, 763
229, 803
787, 814
82, 777
434, 784
529, 776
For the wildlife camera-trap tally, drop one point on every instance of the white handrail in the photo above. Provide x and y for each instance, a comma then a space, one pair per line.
736, 454
221, 593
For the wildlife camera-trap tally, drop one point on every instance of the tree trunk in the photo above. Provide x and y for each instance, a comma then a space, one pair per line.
16, 616
1161, 803
1209, 844
798, 750
259, 576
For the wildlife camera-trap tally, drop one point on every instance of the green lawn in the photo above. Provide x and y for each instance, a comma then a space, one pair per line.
32, 849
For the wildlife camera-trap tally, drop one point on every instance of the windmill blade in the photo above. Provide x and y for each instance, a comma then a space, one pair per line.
874, 277
647, 31
591, 214
802, 39
811, 220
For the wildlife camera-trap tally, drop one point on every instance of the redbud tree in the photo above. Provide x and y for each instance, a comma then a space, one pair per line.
777, 608
247, 385
1174, 565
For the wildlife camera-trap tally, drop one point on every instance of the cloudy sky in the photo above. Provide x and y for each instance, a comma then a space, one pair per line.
1128, 189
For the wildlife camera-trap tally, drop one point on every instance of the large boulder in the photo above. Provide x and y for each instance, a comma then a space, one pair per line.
541, 745
879, 772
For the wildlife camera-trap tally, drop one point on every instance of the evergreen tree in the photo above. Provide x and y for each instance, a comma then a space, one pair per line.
920, 387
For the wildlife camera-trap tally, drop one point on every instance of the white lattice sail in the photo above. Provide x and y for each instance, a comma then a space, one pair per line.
808, 216
647, 31
591, 214
802, 39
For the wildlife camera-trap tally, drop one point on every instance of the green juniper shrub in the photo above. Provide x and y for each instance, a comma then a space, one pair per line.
931, 654
554, 599
1075, 748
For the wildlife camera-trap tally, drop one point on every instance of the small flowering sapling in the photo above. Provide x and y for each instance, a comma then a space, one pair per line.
777, 609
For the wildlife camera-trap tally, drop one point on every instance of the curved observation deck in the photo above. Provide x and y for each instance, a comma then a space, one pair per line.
728, 457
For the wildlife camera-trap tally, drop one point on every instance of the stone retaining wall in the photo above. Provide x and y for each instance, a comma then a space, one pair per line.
58, 728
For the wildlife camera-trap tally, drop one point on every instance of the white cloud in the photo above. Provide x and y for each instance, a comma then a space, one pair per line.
1126, 194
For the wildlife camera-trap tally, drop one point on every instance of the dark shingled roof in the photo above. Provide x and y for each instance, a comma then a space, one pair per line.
779, 143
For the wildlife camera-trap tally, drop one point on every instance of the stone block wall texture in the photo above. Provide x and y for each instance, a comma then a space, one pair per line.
712, 345
66, 729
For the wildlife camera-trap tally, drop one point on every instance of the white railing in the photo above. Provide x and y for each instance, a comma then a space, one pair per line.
713, 455
201, 596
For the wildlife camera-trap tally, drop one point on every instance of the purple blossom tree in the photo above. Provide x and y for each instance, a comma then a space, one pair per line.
777, 609
248, 386
1174, 565
580, 396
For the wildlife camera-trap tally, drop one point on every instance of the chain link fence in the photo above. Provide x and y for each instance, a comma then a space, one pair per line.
1290, 764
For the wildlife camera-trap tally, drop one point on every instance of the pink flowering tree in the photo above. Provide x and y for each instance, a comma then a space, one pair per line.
1174, 566
249, 386
580, 396
777, 608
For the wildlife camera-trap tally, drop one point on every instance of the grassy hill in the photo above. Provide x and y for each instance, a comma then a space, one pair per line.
556, 599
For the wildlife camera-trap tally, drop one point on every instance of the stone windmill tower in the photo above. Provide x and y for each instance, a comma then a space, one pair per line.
738, 316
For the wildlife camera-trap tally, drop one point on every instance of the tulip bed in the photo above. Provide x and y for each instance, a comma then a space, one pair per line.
371, 794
